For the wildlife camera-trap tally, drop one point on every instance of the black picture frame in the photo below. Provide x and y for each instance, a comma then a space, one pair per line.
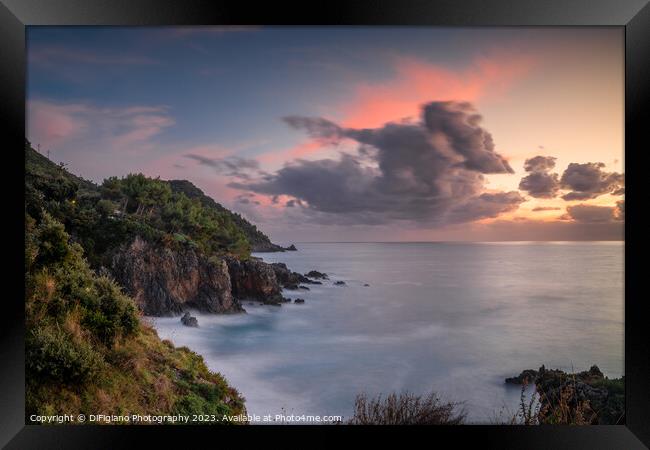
633, 15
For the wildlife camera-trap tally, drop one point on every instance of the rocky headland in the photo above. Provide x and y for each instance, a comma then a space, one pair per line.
166, 281
601, 399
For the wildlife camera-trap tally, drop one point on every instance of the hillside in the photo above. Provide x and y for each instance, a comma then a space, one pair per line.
258, 240
88, 349
103, 217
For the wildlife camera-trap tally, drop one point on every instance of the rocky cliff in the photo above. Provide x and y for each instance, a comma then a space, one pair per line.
165, 281
254, 279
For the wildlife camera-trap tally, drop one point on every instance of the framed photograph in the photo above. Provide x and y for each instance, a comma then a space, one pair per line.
354, 218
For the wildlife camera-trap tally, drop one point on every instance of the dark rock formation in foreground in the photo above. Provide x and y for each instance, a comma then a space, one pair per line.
189, 321
605, 396
254, 279
165, 282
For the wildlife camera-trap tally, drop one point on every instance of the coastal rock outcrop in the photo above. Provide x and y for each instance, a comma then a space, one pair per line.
317, 275
525, 377
189, 320
266, 247
254, 279
604, 397
288, 279
165, 281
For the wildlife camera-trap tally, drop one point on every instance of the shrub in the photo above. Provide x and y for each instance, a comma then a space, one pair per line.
51, 353
563, 409
195, 404
405, 409
116, 314
53, 239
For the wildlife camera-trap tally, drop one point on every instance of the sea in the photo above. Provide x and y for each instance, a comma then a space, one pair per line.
452, 318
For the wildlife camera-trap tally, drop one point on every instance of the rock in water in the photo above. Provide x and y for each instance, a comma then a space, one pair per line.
291, 248
527, 376
366, 285
299, 300
288, 279
316, 274
339, 283
189, 321
166, 281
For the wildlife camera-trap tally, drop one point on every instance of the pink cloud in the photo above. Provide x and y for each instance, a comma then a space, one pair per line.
108, 134
58, 124
176, 165
144, 127
417, 82
299, 151
52, 124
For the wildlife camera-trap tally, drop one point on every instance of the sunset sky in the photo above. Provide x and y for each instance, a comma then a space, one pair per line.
353, 133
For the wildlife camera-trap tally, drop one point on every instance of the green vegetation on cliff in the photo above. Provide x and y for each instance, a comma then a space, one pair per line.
87, 348
103, 217
257, 239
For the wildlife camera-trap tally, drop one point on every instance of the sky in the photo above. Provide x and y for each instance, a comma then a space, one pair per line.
349, 133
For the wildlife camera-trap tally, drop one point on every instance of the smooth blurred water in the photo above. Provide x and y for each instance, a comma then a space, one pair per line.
456, 318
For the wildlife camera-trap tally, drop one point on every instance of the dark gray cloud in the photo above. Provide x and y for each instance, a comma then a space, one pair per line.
539, 182
233, 166
539, 164
592, 214
431, 171
246, 198
459, 123
487, 205
587, 181
316, 127
584, 181
453, 127
546, 208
